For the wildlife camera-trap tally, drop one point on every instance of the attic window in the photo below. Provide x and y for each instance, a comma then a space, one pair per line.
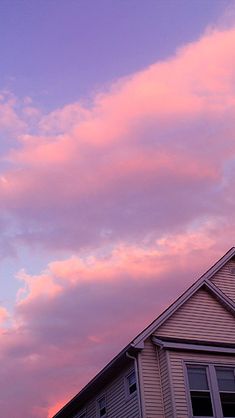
232, 271
102, 406
131, 383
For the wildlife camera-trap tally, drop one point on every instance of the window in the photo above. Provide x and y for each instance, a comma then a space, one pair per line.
199, 392
131, 383
226, 383
212, 390
102, 407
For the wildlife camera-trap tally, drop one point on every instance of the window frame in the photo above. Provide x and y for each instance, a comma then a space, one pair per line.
98, 407
127, 386
224, 391
189, 390
212, 385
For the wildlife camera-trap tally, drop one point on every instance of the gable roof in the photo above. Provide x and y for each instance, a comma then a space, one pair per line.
138, 342
204, 280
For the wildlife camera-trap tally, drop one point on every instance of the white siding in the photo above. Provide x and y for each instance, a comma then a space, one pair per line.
225, 280
201, 317
166, 387
117, 404
178, 379
151, 381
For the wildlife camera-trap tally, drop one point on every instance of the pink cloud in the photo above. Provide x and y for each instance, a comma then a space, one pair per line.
142, 181
149, 153
79, 312
134, 261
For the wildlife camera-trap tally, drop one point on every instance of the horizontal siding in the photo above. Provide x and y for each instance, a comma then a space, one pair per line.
151, 381
118, 406
91, 410
225, 280
166, 391
178, 378
201, 317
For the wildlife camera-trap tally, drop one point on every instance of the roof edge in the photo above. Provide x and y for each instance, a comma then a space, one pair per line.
184, 297
138, 342
95, 380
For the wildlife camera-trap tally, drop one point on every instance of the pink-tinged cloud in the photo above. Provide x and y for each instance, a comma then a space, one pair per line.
137, 188
152, 153
74, 316
10, 120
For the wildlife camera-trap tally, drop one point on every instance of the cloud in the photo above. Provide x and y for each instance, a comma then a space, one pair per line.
137, 187
76, 314
9, 120
149, 154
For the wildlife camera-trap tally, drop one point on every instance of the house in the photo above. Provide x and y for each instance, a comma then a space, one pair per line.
182, 365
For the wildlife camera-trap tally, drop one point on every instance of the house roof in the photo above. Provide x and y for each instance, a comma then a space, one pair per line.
96, 384
138, 342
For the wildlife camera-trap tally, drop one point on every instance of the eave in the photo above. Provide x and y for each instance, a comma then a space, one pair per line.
202, 346
96, 384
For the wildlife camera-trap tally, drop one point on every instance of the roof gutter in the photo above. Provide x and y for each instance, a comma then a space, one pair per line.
137, 383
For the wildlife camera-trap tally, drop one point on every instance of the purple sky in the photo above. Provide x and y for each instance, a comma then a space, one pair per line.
116, 178
59, 51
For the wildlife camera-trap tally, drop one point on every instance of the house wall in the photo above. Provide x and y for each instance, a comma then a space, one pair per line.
117, 403
166, 383
177, 376
151, 381
225, 280
202, 317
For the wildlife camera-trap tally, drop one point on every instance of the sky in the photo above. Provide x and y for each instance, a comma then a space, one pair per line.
117, 165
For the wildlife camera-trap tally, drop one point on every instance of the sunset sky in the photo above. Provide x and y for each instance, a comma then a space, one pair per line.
117, 168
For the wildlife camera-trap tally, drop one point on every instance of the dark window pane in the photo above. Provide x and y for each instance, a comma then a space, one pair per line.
131, 379
102, 412
201, 404
132, 388
228, 404
226, 379
102, 406
197, 378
